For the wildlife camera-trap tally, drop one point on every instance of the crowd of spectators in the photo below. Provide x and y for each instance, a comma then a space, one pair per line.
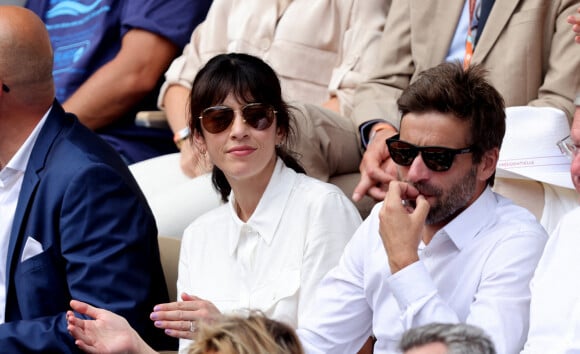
277, 112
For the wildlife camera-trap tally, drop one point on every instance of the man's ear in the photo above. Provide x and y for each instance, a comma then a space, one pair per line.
488, 164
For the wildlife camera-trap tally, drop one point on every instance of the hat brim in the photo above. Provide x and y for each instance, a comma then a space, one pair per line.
529, 149
561, 179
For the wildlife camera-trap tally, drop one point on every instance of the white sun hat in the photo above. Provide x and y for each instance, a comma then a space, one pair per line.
529, 149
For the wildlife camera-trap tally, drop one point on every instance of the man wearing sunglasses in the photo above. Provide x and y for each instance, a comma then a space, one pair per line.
525, 45
442, 246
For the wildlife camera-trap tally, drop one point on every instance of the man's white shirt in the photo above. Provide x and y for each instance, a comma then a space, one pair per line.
11, 177
475, 270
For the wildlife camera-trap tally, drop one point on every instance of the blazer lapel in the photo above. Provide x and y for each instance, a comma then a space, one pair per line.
52, 127
500, 14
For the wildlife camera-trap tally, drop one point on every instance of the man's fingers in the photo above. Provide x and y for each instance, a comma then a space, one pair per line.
361, 188
422, 208
377, 193
372, 182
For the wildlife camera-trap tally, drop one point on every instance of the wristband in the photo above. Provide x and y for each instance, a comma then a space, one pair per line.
180, 136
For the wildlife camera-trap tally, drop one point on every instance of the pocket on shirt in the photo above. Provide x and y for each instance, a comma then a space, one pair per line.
282, 288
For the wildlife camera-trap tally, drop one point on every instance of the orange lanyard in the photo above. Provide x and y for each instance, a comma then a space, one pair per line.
469, 40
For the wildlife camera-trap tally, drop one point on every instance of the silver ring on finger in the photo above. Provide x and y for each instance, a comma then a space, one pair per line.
191, 326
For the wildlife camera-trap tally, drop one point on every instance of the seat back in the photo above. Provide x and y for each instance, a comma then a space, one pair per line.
169, 251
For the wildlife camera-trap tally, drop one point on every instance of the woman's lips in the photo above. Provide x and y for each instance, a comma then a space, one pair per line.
241, 150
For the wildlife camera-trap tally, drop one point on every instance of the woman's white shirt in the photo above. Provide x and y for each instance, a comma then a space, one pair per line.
274, 261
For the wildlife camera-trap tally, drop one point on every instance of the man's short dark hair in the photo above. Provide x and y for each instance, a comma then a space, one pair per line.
448, 88
460, 338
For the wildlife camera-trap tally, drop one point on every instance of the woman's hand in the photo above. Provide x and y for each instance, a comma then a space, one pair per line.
179, 319
107, 333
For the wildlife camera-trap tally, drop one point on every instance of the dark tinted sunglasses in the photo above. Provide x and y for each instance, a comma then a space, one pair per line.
216, 119
436, 158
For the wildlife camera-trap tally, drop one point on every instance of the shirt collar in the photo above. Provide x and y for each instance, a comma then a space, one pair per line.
268, 213
469, 222
18, 162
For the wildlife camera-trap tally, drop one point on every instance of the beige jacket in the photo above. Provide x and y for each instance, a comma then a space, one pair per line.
526, 45
319, 48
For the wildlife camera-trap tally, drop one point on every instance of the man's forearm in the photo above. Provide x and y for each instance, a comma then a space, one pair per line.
121, 83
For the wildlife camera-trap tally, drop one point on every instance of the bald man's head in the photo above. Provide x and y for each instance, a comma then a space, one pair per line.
26, 58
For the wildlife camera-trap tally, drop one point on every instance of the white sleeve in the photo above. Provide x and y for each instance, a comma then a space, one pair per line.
334, 221
500, 304
555, 305
340, 318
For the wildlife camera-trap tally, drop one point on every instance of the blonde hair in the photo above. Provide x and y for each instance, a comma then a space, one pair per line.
251, 334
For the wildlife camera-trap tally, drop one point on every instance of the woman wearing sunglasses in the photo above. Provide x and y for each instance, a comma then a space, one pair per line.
279, 231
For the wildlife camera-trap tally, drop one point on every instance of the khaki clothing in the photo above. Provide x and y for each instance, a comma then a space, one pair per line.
319, 48
526, 45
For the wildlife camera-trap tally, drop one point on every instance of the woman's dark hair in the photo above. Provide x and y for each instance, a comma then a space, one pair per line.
448, 88
249, 79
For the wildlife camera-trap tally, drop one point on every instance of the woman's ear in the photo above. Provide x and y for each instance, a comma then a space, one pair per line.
199, 142
280, 136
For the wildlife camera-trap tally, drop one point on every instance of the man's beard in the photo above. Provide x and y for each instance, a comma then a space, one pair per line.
447, 204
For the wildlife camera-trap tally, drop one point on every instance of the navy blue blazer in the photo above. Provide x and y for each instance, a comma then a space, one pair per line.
82, 230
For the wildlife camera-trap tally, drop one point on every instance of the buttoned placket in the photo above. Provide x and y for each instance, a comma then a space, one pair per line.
246, 255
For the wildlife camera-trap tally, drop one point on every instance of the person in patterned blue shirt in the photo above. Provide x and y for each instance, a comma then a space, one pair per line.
109, 58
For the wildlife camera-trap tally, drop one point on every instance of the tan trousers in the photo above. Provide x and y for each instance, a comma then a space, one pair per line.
326, 142
329, 149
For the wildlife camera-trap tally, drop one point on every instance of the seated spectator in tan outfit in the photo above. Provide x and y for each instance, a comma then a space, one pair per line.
523, 44
533, 32
321, 50
575, 22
